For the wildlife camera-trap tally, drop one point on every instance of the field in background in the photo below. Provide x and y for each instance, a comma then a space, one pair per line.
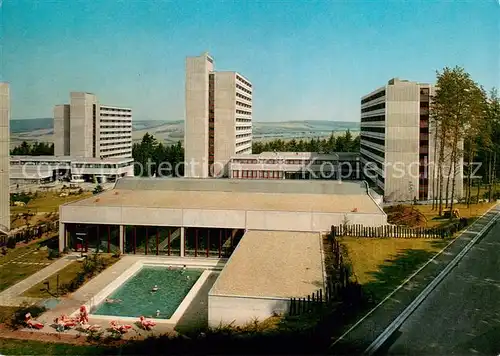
170, 132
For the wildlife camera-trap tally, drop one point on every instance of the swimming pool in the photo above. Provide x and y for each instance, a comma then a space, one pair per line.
135, 297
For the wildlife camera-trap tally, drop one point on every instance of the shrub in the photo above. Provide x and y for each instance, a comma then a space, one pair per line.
116, 253
98, 189
75, 283
11, 242
53, 254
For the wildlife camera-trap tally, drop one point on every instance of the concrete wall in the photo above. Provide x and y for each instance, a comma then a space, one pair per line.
225, 121
402, 141
224, 310
241, 219
62, 130
4, 157
82, 124
196, 123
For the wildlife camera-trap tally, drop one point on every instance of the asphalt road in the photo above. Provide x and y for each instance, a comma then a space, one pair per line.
462, 315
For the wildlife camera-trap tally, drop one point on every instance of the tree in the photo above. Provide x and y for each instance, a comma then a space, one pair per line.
151, 154
344, 143
455, 107
493, 122
477, 130
36, 149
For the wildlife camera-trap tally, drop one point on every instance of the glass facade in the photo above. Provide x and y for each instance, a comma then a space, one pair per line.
152, 240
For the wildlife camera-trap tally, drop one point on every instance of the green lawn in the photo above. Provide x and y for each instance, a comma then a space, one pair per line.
48, 202
66, 275
380, 265
473, 211
25, 347
11, 273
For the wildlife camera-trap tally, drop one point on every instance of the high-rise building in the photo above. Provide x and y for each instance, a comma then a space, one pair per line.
86, 128
397, 141
4, 158
218, 121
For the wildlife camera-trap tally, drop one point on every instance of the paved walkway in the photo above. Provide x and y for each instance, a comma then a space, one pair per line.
358, 339
12, 296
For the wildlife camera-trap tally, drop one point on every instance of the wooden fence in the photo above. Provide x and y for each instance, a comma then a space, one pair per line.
30, 233
337, 288
398, 231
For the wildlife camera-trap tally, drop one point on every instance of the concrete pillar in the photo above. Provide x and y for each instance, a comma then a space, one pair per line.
122, 239
182, 241
62, 236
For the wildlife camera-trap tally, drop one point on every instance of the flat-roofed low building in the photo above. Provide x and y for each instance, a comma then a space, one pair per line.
266, 233
296, 165
42, 169
220, 204
266, 270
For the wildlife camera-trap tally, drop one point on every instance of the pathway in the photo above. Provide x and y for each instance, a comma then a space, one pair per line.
11, 296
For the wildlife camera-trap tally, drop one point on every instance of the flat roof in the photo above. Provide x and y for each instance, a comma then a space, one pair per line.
315, 186
218, 200
273, 264
286, 155
70, 158
30, 175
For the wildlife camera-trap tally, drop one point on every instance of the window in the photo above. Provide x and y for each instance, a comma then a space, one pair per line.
373, 107
373, 97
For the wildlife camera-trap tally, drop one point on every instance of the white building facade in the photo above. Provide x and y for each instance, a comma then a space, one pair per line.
397, 141
86, 128
218, 121
296, 165
43, 169
4, 158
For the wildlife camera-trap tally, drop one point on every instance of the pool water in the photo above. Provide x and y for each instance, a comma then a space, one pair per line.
135, 297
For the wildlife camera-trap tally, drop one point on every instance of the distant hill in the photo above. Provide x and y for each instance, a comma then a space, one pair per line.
173, 131
30, 125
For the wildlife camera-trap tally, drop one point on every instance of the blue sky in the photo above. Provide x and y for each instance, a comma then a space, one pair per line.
306, 59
